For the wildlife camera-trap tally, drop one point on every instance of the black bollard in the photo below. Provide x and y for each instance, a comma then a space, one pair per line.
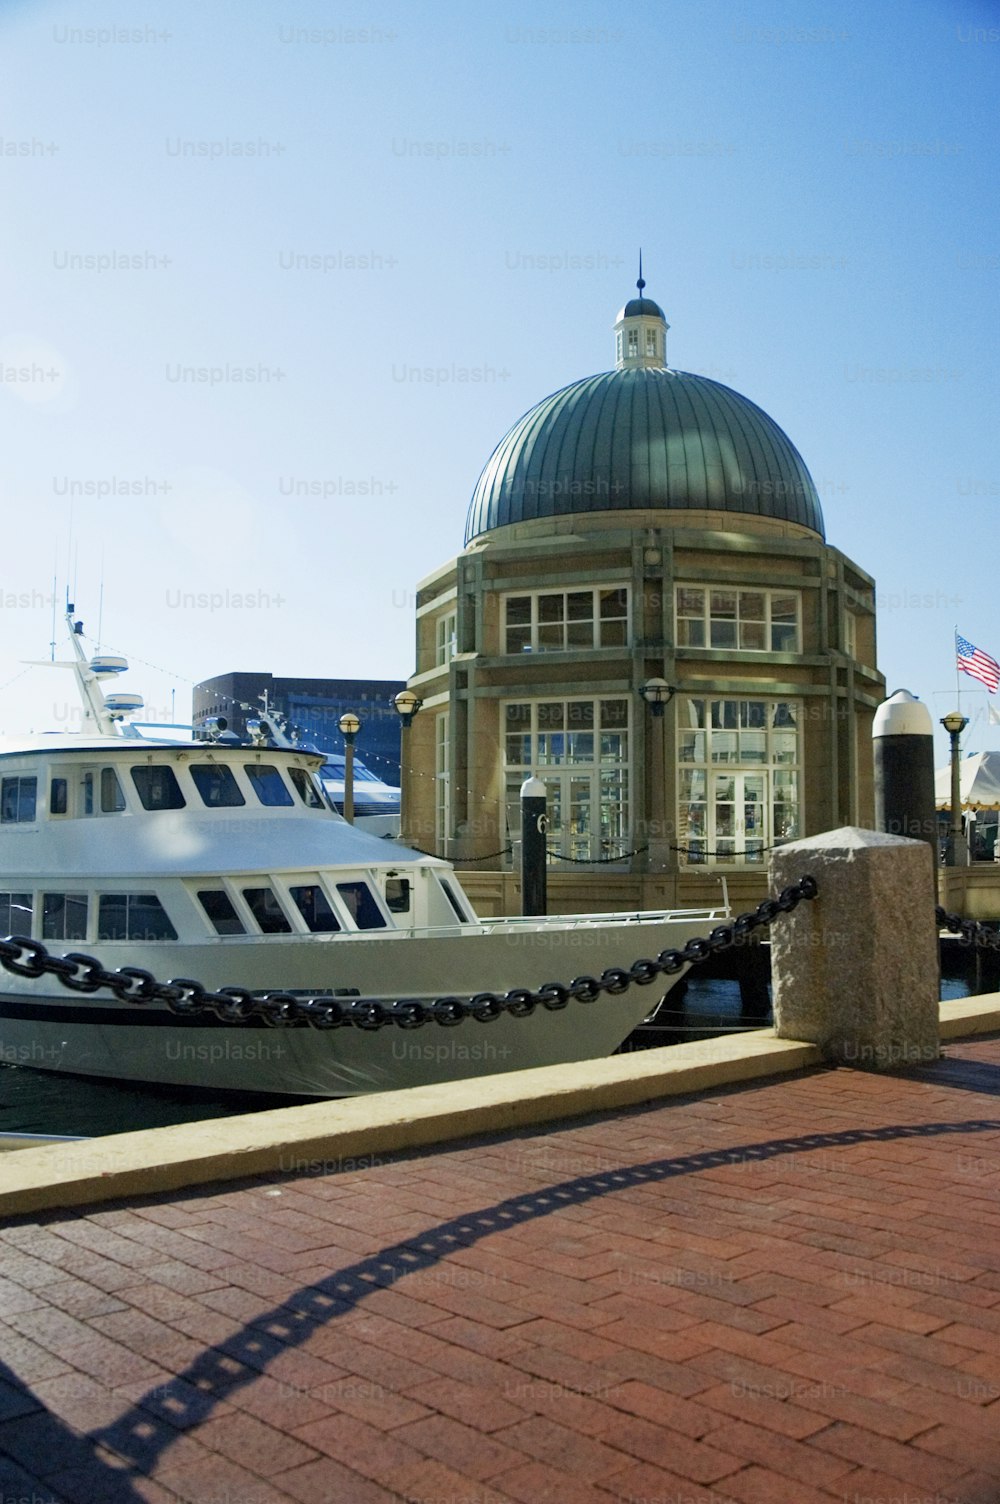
754, 976
534, 828
903, 746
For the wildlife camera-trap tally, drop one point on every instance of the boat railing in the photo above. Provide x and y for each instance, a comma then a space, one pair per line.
507, 924
616, 916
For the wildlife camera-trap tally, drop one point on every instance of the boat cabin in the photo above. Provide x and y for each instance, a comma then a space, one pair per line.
138, 841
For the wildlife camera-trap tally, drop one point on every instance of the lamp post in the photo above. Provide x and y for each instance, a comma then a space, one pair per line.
957, 851
657, 694
407, 704
349, 727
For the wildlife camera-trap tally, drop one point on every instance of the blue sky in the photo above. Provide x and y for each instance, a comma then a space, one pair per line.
403, 225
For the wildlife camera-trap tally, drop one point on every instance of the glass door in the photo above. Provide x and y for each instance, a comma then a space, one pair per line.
570, 812
739, 815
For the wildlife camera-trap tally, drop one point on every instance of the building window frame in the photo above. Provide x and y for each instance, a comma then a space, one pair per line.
567, 620
581, 749
442, 779
738, 618
445, 638
851, 634
739, 777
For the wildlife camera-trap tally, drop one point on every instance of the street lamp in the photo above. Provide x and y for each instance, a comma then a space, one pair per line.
349, 727
407, 704
657, 694
957, 851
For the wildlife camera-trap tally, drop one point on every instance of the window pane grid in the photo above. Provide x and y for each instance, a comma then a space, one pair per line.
580, 750
17, 801
738, 783
442, 776
738, 620
552, 621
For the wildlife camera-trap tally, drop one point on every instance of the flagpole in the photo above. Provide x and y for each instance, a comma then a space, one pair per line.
958, 676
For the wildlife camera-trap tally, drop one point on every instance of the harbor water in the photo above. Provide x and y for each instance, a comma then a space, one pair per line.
709, 1002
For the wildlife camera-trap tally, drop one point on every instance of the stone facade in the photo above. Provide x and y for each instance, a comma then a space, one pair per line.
454, 794
533, 646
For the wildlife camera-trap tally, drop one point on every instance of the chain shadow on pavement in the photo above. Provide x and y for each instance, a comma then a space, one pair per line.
138, 1439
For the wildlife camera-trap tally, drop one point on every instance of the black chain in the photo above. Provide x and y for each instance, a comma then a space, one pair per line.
599, 861
971, 931
489, 855
594, 861
238, 1005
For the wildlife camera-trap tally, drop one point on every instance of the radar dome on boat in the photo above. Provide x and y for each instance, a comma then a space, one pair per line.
108, 664
123, 704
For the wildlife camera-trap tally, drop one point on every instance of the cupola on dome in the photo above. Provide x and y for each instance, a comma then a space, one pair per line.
644, 437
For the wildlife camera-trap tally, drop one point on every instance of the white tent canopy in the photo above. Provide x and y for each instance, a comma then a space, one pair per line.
979, 783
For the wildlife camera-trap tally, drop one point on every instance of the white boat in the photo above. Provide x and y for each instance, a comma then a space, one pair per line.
225, 863
376, 803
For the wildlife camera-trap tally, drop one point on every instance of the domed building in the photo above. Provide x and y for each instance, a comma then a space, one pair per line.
647, 616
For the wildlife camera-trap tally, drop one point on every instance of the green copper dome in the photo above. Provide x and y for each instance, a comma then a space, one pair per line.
644, 438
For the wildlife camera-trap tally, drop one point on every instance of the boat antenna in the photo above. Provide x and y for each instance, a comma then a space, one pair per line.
55, 581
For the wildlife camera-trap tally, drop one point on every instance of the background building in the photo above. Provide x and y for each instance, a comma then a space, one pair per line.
641, 524
314, 706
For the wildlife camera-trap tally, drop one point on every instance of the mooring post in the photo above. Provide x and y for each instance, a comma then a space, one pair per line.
903, 750
856, 970
534, 828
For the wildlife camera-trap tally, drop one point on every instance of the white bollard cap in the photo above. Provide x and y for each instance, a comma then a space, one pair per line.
902, 714
533, 788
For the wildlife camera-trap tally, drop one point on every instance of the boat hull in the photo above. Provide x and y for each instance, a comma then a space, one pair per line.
46, 1027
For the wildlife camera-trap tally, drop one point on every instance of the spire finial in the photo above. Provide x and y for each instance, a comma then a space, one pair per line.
640, 284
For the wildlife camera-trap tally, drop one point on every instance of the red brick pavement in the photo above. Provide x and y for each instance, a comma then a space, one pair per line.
779, 1294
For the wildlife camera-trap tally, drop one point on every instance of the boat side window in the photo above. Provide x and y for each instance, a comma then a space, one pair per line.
58, 796
268, 784
64, 916
17, 800
133, 916
361, 906
397, 895
87, 790
267, 911
219, 908
313, 905
15, 913
157, 787
216, 785
112, 798
452, 898
306, 788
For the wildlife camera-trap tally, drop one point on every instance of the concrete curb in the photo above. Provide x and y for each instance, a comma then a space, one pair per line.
970, 1015
355, 1132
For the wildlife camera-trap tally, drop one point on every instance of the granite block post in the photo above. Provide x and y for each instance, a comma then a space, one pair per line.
856, 970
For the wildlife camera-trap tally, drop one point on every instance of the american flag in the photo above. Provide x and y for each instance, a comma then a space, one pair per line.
977, 663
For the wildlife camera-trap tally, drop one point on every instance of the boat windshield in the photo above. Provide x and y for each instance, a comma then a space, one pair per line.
216, 784
306, 788
268, 784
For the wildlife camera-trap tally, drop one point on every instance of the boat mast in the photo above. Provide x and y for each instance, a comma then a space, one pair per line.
95, 710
